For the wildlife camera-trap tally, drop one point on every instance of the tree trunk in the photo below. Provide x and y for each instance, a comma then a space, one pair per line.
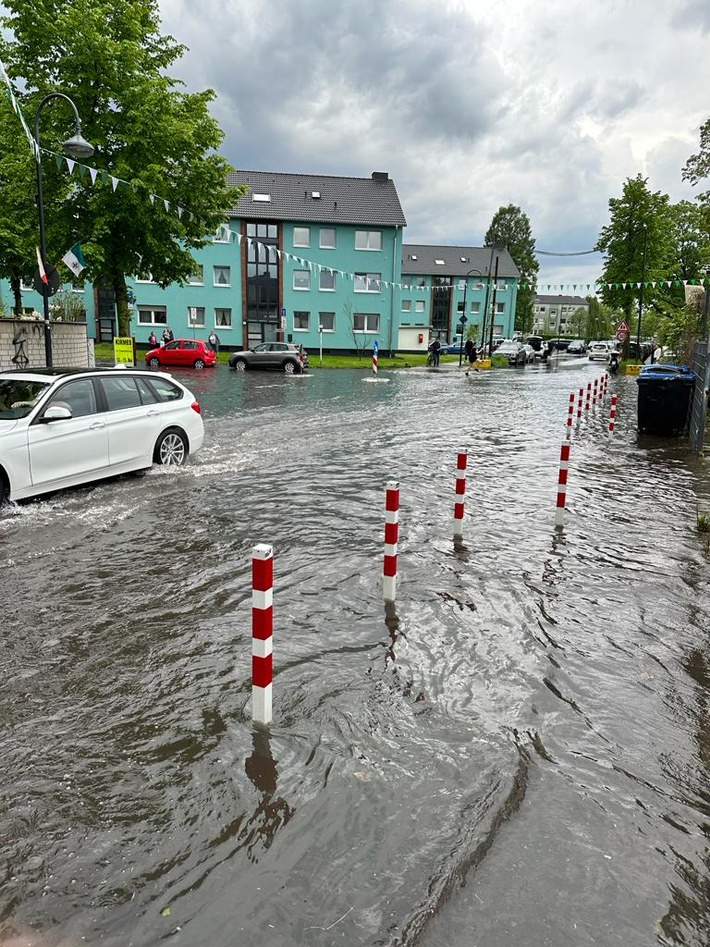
17, 293
122, 312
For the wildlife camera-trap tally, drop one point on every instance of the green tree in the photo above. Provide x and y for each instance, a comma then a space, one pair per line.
697, 167
18, 214
637, 246
599, 320
691, 241
511, 226
110, 57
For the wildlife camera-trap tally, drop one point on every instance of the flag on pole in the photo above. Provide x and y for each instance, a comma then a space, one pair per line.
74, 259
42, 272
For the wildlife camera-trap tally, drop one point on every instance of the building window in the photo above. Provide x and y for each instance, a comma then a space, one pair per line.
222, 234
152, 316
147, 278
326, 321
196, 316
475, 307
261, 198
223, 318
366, 322
500, 307
269, 231
301, 279
327, 280
419, 305
77, 285
198, 277
301, 236
327, 238
367, 282
459, 307
301, 321
368, 240
222, 276
406, 305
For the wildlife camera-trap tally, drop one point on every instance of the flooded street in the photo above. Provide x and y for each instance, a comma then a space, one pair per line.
515, 752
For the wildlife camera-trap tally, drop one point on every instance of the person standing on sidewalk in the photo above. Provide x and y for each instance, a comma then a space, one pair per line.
213, 340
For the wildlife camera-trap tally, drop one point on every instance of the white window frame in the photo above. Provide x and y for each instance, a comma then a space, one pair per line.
328, 246
475, 306
198, 279
200, 314
367, 282
306, 238
500, 308
300, 313
306, 278
406, 305
228, 270
419, 305
368, 319
329, 275
220, 325
368, 238
145, 279
320, 321
152, 312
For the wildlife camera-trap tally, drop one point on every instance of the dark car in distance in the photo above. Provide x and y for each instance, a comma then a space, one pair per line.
275, 356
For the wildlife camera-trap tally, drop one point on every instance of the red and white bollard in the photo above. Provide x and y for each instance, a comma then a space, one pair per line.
562, 485
389, 578
461, 462
612, 413
570, 414
262, 625
587, 403
374, 361
594, 391
579, 404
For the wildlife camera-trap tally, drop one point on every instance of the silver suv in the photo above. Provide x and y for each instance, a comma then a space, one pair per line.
280, 356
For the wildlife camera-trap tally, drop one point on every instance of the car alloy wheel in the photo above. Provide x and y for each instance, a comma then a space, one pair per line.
154, 363
170, 449
199, 363
289, 367
240, 365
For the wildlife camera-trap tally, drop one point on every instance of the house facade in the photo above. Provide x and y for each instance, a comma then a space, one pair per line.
554, 314
317, 260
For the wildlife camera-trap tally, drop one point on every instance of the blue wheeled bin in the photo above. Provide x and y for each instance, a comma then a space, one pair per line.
665, 393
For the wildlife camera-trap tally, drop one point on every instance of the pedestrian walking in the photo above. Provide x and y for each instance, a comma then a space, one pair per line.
470, 352
168, 335
435, 349
213, 340
153, 339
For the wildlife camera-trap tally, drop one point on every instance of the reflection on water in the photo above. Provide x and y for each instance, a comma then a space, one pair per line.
519, 743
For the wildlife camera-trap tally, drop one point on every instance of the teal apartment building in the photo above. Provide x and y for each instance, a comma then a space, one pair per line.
316, 260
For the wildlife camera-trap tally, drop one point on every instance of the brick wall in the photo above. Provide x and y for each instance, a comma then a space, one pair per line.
23, 341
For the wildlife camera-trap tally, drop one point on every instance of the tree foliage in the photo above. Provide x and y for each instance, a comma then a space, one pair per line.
697, 167
511, 226
18, 215
110, 58
637, 244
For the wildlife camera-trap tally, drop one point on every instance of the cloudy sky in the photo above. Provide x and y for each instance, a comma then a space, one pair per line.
469, 105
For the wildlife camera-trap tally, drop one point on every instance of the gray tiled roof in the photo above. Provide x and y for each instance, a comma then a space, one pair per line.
369, 201
457, 261
561, 301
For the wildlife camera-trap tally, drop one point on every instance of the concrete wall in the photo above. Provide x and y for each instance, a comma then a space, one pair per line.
22, 344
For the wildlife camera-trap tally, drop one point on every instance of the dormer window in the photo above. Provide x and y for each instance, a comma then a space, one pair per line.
439, 262
264, 198
315, 195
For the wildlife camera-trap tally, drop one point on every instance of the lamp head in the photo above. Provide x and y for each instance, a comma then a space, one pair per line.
78, 147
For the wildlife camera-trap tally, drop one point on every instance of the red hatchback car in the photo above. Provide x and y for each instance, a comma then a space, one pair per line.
181, 353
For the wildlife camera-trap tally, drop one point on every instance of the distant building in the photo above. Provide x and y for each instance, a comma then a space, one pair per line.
437, 280
553, 314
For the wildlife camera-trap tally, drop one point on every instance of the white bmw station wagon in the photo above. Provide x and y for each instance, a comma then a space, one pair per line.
63, 427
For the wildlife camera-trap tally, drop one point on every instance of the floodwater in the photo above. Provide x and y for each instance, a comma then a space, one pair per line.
515, 752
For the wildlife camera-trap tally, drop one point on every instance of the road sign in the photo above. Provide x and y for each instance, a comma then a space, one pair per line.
622, 336
623, 326
50, 288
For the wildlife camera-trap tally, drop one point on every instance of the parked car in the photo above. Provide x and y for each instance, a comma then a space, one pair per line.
452, 348
60, 428
536, 341
498, 340
279, 356
181, 353
513, 351
529, 352
577, 347
599, 351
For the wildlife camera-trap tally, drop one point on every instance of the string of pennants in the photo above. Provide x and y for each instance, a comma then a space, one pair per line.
104, 177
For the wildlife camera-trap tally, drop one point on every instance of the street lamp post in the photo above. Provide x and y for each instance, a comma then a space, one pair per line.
643, 277
464, 318
76, 147
493, 305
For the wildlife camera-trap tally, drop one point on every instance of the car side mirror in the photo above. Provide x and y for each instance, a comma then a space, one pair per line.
56, 413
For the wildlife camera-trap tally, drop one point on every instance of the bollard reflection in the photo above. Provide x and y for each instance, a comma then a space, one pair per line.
273, 812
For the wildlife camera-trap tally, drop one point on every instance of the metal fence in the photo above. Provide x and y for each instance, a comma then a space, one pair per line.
699, 406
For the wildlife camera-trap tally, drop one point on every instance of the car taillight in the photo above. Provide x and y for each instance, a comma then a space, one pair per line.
196, 407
